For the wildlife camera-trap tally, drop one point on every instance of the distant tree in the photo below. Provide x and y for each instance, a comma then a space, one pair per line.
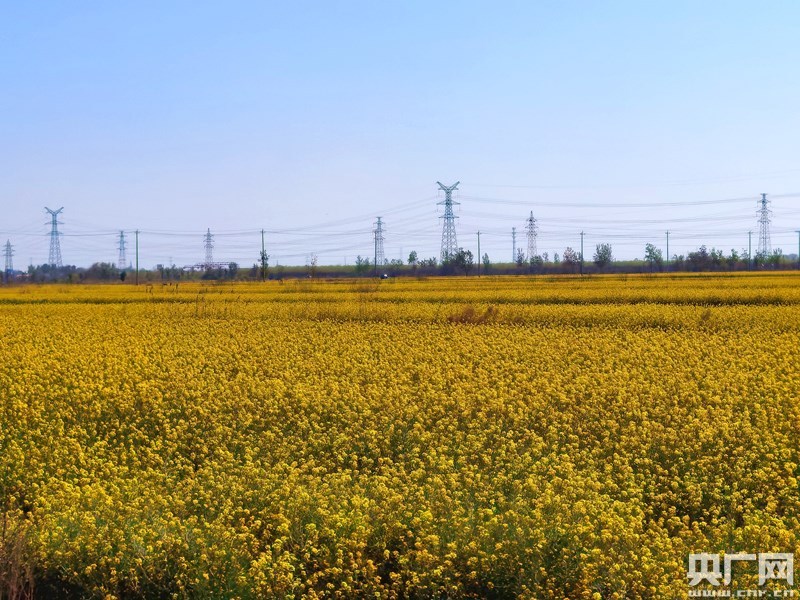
264, 258
312, 266
759, 259
653, 257
486, 262
774, 259
412, 258
362, 265
101, 271
555, 257
545, 257
733, 259
395, 266
519, 259
463, 260
536, 263
699, 260
429, 262
717, 258
570, 257
603, 255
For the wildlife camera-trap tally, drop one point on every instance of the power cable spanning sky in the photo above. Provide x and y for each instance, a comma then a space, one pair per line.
311, 119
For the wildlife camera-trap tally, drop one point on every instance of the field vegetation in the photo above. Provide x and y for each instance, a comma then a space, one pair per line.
530, 437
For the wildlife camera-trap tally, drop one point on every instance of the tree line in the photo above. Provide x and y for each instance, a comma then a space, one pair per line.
462, 262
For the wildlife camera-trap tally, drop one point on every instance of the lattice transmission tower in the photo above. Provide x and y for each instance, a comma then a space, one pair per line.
449, 242
532, 232
55, 244
8, 253
380, 258
122, 262
764, 243
513, 245
209, 246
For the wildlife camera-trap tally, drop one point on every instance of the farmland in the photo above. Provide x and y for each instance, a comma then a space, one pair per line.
462, 437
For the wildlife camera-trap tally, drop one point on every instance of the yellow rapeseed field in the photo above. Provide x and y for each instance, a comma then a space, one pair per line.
461, 437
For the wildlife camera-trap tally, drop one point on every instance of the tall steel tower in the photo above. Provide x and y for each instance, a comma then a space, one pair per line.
764, 245
380, 258
8, 252
449, 243
532, 231
513, 245
122, 263
55, 245
209, 246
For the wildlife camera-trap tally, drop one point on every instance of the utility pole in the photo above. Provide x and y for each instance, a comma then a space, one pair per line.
749, 250
55, 245
137, 257
667, 250
798, 248
263, 258
449, 243
582, 234
479, 253
9, 252
513, 245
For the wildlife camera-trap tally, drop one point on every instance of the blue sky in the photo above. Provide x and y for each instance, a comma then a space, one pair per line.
309, 119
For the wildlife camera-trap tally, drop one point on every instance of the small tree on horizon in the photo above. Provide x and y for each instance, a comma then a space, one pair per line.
519, 259
653, 257
463, 259
603, 255
362, 265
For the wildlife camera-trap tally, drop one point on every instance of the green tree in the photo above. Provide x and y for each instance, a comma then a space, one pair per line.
570, 257
603, 255
774, 259
463, 259
519, 259
264, 258
733, 259
653, 257
362, 265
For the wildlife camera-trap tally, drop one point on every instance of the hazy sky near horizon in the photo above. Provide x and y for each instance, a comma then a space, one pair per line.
310, 119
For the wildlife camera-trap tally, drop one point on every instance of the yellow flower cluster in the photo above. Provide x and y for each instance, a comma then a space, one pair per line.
462, 437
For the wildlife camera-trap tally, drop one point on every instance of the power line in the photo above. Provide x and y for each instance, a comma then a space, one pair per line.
602, 205
685, 182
